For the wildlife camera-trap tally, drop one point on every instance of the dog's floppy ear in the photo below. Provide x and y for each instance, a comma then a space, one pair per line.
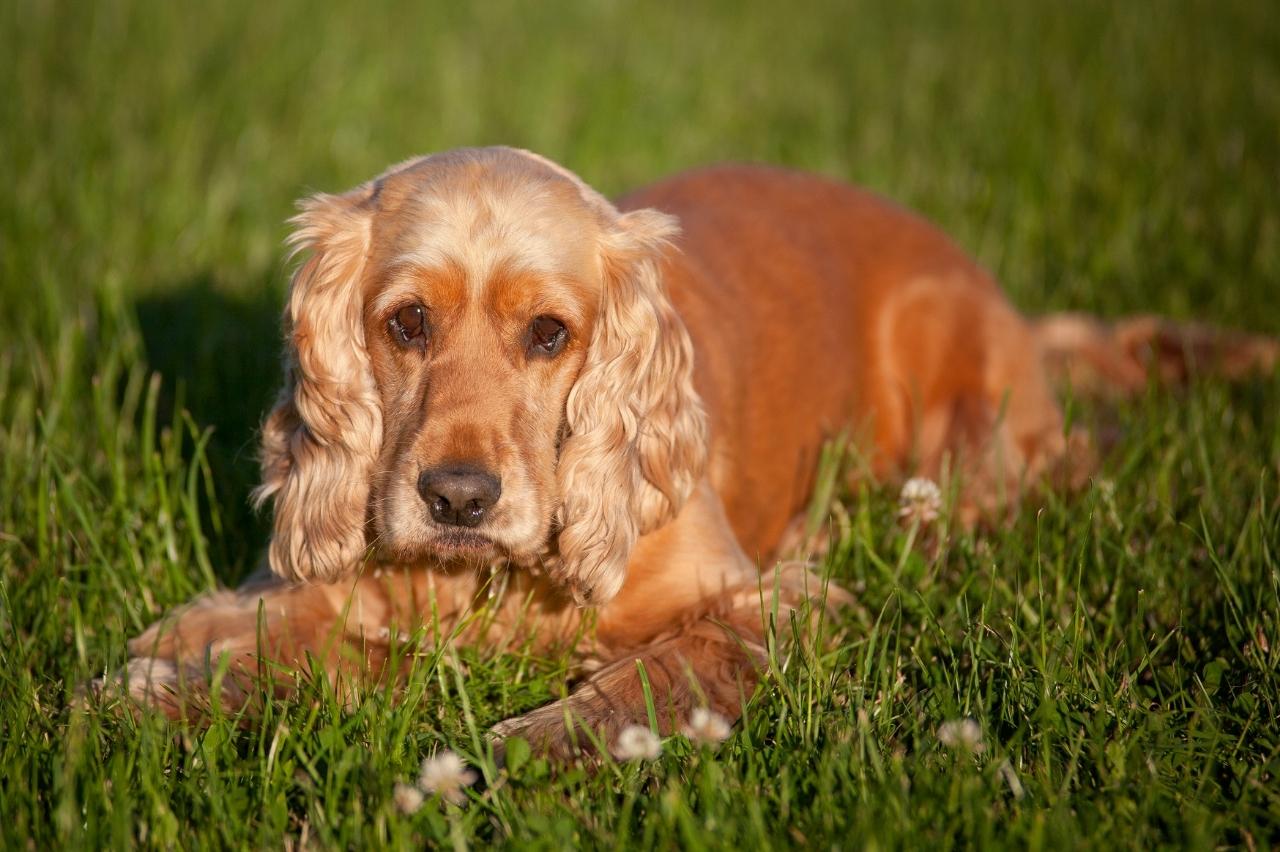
320, 441
637, 430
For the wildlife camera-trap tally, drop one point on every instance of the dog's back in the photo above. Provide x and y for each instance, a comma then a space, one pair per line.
816, 307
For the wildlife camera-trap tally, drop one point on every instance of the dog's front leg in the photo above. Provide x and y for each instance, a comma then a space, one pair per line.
690, 623
232, 647
706, 663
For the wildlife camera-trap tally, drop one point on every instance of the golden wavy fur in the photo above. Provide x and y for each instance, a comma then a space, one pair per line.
498, 381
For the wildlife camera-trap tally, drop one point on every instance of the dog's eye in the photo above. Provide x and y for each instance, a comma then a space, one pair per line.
409, 325
547, 336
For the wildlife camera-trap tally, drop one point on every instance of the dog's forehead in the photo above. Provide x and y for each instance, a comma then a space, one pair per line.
486, 216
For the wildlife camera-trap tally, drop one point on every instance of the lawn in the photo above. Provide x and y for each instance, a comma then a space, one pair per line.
1117, 649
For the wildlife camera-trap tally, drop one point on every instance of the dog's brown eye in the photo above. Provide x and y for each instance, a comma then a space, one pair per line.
409, 324
547, 335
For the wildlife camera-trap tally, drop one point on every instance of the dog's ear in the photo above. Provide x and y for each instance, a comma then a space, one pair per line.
320, 441
637, 431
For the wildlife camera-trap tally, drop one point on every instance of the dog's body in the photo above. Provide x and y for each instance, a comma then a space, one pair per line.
659, 414
816, 308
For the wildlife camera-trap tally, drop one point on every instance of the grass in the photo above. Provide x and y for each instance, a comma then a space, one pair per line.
1118, 648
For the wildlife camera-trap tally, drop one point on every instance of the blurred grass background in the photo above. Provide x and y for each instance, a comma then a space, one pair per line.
1107, 157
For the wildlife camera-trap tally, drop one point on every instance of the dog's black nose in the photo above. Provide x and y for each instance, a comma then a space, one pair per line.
459, 495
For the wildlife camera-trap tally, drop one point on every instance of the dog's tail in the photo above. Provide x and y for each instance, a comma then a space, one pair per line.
1119, 359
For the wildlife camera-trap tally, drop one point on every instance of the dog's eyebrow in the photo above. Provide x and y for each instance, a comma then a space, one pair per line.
407, 277
392, 296
525, 291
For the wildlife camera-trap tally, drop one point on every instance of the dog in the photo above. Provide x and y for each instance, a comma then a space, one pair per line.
595, 423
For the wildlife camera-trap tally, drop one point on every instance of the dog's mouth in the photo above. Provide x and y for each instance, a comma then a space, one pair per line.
461, 543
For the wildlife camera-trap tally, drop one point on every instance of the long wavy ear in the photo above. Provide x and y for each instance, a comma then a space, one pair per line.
637, 430
320, 441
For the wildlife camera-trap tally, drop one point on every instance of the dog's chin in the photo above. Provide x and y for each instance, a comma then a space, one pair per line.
444, 546
460, 547
463, 546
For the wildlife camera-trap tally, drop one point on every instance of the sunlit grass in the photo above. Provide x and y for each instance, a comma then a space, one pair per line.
1116, 649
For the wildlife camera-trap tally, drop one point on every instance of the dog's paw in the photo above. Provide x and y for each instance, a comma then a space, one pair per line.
561, 732
144, 682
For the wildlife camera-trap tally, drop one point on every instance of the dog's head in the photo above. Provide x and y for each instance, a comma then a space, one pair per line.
483, 365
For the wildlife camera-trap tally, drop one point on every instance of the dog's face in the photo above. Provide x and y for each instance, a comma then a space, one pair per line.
479, 306
484, 367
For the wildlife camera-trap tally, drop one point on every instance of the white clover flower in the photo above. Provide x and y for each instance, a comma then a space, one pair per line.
408, 798
637, 742
446, 776
706, 727
962, 734
920, 500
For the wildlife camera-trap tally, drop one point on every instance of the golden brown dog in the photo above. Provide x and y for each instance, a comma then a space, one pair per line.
503, 392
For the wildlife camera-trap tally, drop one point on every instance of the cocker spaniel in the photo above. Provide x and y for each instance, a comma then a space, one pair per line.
596, 422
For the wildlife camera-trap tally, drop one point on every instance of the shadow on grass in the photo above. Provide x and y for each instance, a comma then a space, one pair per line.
219, 356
